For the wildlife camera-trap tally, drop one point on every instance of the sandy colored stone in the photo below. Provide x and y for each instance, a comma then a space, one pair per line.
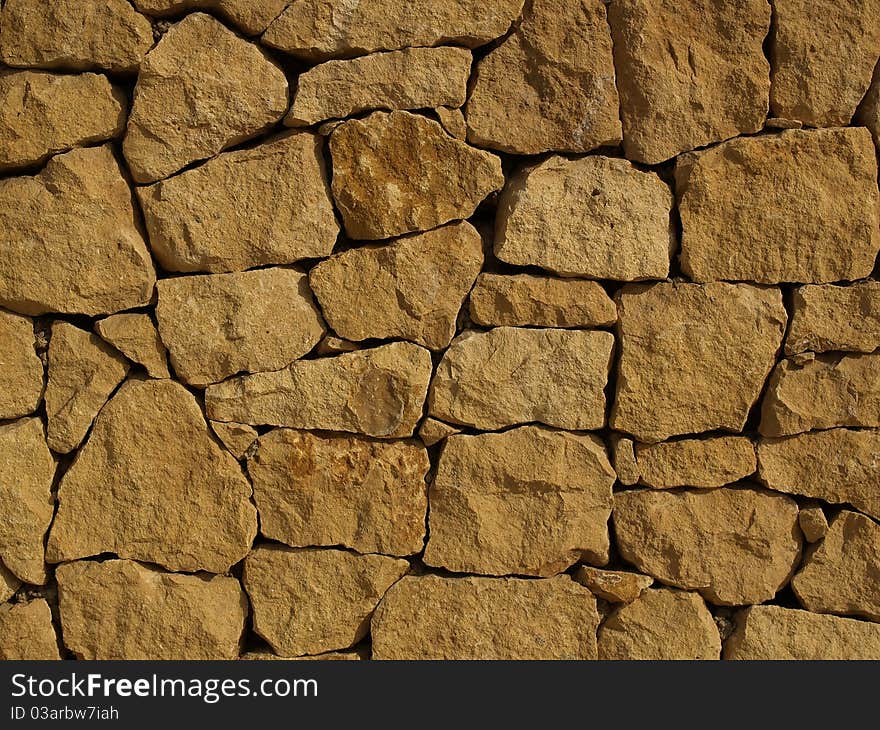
614, 586
200, 90
79, 213
396, 173
660, 625
868, 113
236, 437
769, 209
431, 617
252, 321
782, 123
835, 318
690, 73
330, 656
151, 484
734, 546
26, 632
453, 121
841, 574
266, 205
411, 289
251, 16
21, 372
42, 114
596, 216
316, 30
74, 34
694, 357
9, 584
314, 601
414, 78
378, 392
706, 462
136, 337
432, 431
529, 501
539, 301
489, 380
822, 61
332, 345
26, 505
349, 491
838, 466
550, 85
812, 521
120, 609
623, 457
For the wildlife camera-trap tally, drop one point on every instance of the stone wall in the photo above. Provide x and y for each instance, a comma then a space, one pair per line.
439, 329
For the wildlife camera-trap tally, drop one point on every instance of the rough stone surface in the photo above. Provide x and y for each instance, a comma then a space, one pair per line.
395, 173
236, 437
453, 121
868, 113
26, 632
623, 457
200, 90
813, 522
251, 16
550, 85
253, 207
151, 484
314, 601
768, 209
614, 586
690, 73
120, 609
529, 501
661, 625
596, 216
734, 546
74, 34
414, 78
21, 372
835, 318
9, 584
314, 490
430, 617
432, 431
706, 462
332, 345
330, 656
253, 321
316, 30
79, 211
508, 376
26, 472
693, 357
411, 289
378, 392
136, 337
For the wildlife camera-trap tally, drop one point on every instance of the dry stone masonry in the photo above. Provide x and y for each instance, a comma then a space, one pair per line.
407, 329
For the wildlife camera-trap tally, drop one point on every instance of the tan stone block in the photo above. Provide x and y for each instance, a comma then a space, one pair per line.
26, 632
614, 586
251, 16
706, 462
136, 337
21, 371
835, 318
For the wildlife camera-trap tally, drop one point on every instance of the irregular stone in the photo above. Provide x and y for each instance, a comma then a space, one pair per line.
200, 90
266, 205
436, 618
26, 632
378, 392
540, 301
489, 380
693, 357
251, 16
835, 318
839, 466
414, 78
236, 437
453, 121
348, 491
706, 462
623, 457
868, 113
780, 123
219, 325
26, 473
734, 546
776, 633
21, 372
738, 200
315, 30
263, 656
136, 337
614, 586
432, 431
313, 601
689, 73
151, 484
83, 373
79, 211
330, 345
660, 625
813, 522
395, 173
823, 392
411, 289
842, 573
550, 85
120, 609
74, 34
9, 584
822, 62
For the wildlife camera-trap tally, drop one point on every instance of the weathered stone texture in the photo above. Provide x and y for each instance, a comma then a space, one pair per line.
614, 586
623, 457
236, 437
432, 431
9, 584
26, 632
835, 318
21, 372
706, 462
251, 16
813, 522
136, 337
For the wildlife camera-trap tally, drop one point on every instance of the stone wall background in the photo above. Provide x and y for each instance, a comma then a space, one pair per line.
427, 329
